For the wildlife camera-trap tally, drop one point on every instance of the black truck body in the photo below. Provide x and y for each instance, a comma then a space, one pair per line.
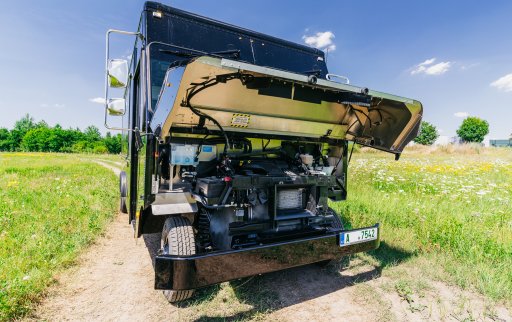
236, 141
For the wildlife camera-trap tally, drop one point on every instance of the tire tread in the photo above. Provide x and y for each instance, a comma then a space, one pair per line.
180, 237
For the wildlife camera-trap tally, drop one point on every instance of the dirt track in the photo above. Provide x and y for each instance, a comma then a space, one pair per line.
114, 282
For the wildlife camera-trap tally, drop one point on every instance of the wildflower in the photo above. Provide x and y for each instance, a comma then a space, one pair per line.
12, 184
482, 192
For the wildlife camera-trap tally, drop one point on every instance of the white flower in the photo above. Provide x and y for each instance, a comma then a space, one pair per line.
482, 192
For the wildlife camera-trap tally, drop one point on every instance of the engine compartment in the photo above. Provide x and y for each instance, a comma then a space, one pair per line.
252, 196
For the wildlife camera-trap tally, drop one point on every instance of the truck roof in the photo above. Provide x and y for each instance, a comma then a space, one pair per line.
197, 32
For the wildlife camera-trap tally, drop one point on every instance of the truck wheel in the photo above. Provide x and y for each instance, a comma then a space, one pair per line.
178, 239
337, 220
336, 224
123, 192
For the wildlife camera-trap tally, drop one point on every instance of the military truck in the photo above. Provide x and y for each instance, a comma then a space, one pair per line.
236, 144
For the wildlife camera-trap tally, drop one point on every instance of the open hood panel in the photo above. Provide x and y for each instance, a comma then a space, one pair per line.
248, 98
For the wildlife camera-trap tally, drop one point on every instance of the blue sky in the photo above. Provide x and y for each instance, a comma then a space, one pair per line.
445, 54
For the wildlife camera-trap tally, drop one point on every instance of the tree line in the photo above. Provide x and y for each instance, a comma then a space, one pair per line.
472, 129
28, 135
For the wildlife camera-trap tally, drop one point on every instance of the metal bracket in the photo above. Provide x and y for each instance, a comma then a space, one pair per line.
331, 76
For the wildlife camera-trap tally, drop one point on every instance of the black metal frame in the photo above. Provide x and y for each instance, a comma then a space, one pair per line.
196, 271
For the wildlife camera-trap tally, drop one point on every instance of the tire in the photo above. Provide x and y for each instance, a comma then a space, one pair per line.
338, 225
122, 205
123, 192
337, 220
178, 239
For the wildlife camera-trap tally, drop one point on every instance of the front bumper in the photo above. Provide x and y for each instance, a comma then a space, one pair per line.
196, 271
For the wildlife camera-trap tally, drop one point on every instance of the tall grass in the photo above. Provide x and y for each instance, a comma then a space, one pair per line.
51, 206
452, 205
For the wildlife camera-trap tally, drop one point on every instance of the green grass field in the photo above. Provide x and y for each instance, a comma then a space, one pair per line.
447, 212
453, 208
51, 207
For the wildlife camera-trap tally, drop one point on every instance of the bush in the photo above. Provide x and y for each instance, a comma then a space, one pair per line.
428, 134
473, 129
99, 148
80, 146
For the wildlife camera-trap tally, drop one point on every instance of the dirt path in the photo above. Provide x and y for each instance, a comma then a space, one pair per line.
114, 282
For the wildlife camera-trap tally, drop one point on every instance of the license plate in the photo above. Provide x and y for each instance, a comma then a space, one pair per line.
358, 236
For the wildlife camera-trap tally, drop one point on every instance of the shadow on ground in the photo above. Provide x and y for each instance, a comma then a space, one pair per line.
272, 291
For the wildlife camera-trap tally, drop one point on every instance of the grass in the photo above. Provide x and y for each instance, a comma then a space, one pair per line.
242, 300
446, 212
49, 211
452, 206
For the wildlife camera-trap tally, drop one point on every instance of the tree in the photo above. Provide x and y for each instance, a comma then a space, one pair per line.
113, 143
473, 129
24, 124
38, 139
92, 134
21, 127
5, 140
428, 134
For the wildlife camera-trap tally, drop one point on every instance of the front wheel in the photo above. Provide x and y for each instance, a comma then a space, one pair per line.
178, 239
338, 225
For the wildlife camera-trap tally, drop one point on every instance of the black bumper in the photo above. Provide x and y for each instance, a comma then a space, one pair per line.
196, 271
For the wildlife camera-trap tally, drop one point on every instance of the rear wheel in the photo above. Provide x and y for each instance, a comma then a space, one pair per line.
123, 191
178, 239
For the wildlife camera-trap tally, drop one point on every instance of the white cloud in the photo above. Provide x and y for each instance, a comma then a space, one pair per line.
461, 114
59, 105
321, 40
428, 62
97, 100
466, 67
504, 83
429, 68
